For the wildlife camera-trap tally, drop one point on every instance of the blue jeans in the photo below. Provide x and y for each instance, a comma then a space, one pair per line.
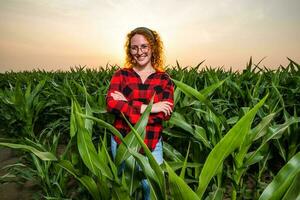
157, 154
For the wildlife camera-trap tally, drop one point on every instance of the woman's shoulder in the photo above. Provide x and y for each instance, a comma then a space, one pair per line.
166, 78
122, 72
164, 75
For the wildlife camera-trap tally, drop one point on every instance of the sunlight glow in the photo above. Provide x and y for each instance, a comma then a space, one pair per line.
60, 34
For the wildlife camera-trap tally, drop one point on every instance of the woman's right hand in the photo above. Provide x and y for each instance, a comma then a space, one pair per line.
162, 106
118, 96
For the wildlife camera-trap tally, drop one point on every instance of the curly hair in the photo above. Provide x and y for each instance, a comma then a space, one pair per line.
157, 59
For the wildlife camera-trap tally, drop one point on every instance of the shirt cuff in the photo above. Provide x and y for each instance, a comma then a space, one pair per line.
136, 105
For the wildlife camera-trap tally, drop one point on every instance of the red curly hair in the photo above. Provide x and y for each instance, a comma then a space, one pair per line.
157, 59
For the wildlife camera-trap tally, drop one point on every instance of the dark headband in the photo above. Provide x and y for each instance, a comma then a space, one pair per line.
145, 30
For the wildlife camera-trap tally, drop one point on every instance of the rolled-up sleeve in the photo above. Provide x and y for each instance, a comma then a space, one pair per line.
166, 95
131, 110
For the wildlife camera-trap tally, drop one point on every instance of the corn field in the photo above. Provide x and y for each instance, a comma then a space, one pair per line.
232, 135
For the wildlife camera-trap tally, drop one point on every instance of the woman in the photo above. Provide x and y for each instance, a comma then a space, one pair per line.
132, 88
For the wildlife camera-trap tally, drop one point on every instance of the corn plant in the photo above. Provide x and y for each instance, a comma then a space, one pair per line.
225, 139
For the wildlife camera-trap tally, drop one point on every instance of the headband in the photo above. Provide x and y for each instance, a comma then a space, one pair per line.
146, 30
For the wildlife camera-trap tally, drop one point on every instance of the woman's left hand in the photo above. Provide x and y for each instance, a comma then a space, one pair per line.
118, 96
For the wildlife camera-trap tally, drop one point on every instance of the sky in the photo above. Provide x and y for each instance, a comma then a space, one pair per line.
59, 34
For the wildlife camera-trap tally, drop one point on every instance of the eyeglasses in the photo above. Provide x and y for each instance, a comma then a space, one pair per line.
134, 49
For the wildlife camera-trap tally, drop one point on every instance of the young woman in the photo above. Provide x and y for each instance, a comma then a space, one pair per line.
132, 87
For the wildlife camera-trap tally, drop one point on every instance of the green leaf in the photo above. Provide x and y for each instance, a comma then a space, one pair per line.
73, 127
87, 150
154, 165
172, 153
216, 194
274, 132
182, 173
120, 192
188, 90
149, 173
226, 146
200, 135
86, 181
293, 192
89, 154
175, 165
88, 123
179, 121
129, 140
257, 132
282, 181
210, 89
108, 157
41, 154
179, 189
104, 125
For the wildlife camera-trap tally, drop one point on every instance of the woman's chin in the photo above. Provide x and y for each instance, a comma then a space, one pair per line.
142, 63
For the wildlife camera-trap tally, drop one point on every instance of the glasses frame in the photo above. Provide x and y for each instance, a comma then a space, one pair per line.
144, 48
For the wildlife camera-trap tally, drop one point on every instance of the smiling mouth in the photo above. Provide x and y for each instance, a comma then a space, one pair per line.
141, 57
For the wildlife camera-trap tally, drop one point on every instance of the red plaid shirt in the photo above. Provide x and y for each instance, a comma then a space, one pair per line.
129, 83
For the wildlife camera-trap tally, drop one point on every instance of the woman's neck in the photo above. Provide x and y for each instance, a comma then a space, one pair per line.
144, 69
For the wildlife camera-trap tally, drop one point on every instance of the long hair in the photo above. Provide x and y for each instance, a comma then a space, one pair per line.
157, 59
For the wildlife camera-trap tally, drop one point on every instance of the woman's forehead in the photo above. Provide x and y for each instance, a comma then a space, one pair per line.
139, 39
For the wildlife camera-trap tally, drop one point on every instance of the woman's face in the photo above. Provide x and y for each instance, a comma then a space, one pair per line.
140, 50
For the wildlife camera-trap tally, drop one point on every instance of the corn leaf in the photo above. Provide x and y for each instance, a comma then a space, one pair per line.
193, 92
179, 189
282, 181
86, 181
130, 140
154, 165
227, 145
274, 132
293, 191
46, 156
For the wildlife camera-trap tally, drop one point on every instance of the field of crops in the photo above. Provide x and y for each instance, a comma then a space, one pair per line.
232, 135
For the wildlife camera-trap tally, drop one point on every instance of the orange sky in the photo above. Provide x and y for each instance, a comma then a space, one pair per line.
55, 34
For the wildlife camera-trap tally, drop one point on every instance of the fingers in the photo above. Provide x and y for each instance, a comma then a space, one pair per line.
168, 109
165, 107
118, 96
119, 93
121, 96
167, 102
162, 106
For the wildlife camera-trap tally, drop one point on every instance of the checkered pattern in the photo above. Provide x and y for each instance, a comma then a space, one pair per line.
129, 83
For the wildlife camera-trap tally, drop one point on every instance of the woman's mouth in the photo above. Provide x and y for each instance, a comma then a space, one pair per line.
142, 57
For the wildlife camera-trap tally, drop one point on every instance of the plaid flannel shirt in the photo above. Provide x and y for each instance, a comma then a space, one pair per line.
129, 83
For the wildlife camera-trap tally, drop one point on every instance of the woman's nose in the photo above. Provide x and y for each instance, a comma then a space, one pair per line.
139, 51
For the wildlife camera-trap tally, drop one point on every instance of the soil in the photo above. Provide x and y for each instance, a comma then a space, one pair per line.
12, 190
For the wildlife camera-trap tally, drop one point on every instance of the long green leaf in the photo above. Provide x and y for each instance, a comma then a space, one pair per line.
284, 178
41, 154
73, 127
155, 166
86, 148
104, 125
293, 192
130, 141
210, 89
182, 173
227, 145
274, 132
149, 173
192, 92
86, 181
254, 134
179, 121
172, 153
179, 189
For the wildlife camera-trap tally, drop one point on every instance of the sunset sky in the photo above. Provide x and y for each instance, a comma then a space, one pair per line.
59, 34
